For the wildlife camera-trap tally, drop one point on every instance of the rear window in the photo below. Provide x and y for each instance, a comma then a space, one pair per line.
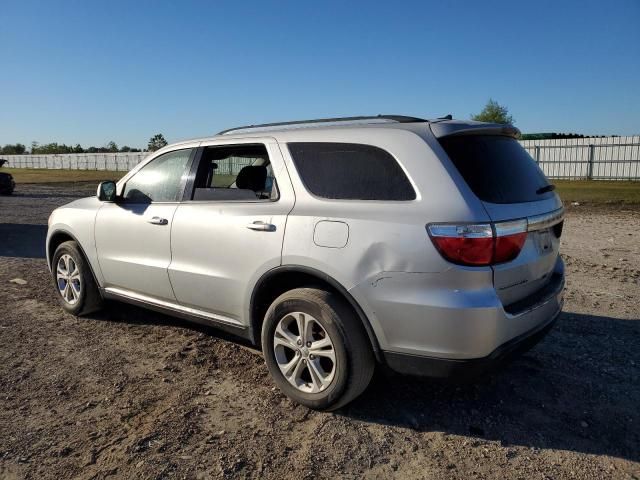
350, 171
496, 168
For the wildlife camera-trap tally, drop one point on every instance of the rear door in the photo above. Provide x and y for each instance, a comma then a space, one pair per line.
230, 228
511, 186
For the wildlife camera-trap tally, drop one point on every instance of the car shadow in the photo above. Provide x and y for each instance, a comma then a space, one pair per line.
116, 311
22, 240
578, 390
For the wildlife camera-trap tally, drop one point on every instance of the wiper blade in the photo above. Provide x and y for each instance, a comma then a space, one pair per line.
545, 189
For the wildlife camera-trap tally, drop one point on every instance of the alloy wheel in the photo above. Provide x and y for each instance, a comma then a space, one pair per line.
68, 279
304, 352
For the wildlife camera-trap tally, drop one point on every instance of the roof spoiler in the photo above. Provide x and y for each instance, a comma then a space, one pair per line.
457, 128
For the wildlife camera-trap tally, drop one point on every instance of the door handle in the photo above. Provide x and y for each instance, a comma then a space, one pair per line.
262, 226
158, 221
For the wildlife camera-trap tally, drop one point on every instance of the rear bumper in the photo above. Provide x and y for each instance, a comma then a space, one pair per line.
408, 364
438, 324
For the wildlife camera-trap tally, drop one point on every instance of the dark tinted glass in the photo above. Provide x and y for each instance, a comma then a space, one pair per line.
350, 171
496, 168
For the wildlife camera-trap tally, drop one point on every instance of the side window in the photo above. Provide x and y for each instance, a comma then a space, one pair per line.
236, 172
161, 180
350, 171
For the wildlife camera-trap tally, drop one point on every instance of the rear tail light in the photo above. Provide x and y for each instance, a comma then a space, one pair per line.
464, 244
479, 244
510, 237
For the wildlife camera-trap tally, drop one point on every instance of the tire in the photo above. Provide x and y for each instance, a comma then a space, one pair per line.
322, 314
82, 295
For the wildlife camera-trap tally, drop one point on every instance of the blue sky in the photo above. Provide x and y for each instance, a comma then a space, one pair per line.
89, 72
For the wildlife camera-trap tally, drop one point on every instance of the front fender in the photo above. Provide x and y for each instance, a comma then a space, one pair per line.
76, 221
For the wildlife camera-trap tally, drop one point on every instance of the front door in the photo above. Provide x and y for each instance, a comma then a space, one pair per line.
133, 234
231, 230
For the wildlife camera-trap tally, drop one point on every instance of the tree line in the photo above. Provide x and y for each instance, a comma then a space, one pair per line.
492, 112
156, 142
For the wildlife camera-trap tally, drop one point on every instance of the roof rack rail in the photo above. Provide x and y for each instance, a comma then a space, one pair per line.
396, 118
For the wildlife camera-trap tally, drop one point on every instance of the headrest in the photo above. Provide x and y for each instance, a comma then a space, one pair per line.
252, 177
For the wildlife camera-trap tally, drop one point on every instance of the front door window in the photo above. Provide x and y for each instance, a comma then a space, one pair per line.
161, 180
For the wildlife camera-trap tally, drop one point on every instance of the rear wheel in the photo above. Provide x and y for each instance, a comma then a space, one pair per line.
77, 290
316, 349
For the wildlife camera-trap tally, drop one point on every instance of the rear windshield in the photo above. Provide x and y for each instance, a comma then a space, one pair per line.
497, 168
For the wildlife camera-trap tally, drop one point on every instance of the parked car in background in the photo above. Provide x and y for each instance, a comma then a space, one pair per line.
7, 184
428, 246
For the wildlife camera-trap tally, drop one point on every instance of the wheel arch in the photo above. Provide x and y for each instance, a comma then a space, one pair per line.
281, 279
57, 238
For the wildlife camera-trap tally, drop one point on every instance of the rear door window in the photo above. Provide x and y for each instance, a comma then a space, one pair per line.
235, 172
350, 171
497, 168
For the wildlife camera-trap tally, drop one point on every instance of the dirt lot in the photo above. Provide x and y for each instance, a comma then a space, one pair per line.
133, 394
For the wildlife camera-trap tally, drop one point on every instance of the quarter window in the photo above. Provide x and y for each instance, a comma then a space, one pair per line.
350, 171
161, 180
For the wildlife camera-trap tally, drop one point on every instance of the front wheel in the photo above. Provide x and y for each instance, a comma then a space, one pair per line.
316, 349
77, 290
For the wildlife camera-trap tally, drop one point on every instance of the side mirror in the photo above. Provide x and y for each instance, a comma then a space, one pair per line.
107, 191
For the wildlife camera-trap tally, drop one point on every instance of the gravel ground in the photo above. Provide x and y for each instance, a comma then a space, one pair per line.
132, 394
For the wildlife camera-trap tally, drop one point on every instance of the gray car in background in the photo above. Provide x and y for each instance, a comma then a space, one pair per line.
428, 246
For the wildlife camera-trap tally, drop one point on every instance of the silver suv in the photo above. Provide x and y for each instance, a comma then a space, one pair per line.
428, 246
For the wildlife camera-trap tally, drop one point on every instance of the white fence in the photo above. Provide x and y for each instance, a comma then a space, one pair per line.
606, 158
77, 161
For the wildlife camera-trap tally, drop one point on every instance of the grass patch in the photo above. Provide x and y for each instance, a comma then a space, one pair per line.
223, 181
598, 191
43, 175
